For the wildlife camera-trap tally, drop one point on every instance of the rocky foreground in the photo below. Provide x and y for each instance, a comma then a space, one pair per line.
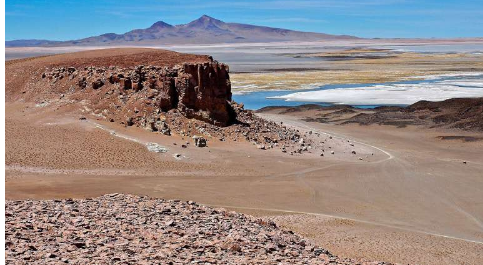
126, 229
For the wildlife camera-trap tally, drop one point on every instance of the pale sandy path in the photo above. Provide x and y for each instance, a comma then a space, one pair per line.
344, 218
399, 166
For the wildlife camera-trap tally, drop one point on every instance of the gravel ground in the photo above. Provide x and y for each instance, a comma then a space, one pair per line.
125, 229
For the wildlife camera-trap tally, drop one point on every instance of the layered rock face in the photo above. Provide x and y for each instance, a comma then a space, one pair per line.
201, 91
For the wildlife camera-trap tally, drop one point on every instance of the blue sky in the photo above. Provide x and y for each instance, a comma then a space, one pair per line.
69, 19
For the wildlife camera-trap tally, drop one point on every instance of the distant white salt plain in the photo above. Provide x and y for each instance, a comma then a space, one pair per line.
433, 88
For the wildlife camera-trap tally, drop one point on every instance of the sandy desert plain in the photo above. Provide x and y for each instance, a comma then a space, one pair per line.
407, 194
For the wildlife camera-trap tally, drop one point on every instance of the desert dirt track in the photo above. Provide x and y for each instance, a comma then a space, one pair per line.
412, 201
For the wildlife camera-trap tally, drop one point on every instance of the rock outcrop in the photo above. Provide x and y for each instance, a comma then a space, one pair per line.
201, 91
162, 91
188, 99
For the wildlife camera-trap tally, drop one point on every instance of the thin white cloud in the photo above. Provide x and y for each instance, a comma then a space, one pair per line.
15, 14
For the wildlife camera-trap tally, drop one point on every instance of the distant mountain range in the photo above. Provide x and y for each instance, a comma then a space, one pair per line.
204, 30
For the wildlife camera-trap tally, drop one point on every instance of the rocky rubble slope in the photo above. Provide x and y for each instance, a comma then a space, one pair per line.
125, 229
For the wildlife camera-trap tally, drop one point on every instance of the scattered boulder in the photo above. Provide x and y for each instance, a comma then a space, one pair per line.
162, 127
199, 141
82, 83
129, 121
125, 83
97, 84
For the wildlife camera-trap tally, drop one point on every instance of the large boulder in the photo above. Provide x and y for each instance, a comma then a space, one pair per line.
199, 141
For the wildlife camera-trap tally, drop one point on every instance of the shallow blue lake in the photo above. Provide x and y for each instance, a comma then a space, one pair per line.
257, 100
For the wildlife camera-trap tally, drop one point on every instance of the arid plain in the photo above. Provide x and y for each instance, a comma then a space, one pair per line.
404, 195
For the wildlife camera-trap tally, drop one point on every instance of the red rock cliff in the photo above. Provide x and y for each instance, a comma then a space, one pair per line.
127, 85
198, 90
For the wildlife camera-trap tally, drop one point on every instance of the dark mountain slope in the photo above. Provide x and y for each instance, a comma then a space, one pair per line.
204, 30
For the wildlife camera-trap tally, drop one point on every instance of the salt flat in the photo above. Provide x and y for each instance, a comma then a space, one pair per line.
467, 85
